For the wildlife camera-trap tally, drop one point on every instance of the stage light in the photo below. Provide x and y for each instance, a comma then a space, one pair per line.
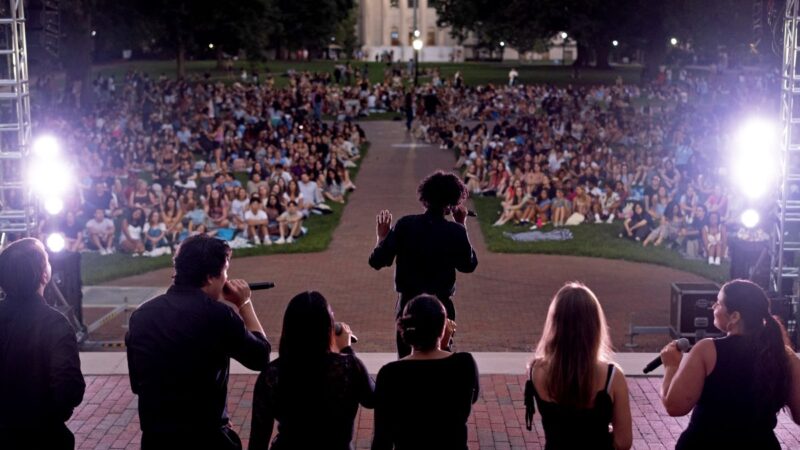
615, 42
55, 242
49, 178
53, 205
750, 218
755, 158
45, 147
417, 44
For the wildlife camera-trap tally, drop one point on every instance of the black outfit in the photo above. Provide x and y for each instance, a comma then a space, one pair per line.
726, 416
179, 348
40, 376
315, 408
429, 250
425, 404
572, 428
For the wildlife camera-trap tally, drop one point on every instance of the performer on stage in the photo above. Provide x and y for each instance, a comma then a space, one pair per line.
429, 248
179, 349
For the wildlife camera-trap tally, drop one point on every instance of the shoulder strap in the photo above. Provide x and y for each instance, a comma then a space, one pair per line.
611, 370
530, 406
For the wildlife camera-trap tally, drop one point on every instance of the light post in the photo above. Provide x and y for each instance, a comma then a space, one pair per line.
564, 37
417, 44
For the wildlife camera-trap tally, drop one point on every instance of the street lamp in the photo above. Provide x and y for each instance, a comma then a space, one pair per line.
564, 37
673, 41
417, 44
615, 42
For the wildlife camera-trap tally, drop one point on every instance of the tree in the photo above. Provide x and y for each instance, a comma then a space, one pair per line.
309, 24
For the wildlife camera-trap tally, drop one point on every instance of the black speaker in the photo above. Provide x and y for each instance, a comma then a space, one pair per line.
67, 277
690, 312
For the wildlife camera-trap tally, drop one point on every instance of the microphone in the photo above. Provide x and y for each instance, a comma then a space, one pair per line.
261, 285
257, 286
683, 345
471, 213
337, 328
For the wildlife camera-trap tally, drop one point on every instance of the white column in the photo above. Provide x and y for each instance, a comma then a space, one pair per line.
403, 29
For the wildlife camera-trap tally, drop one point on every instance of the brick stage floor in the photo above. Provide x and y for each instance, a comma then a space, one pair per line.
107, 418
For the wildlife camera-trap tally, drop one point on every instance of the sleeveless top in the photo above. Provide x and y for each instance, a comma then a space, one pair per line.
572, 428
726, 416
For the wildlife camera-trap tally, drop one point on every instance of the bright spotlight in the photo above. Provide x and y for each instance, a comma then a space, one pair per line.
45, 147
755, 164
615, 42
55, 242
49, 179
53, 205
417, 44
750, 218
673, 41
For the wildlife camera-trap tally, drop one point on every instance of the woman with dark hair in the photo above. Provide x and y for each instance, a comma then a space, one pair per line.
131, 240
578, 388
314, 387
736, 384
424, 399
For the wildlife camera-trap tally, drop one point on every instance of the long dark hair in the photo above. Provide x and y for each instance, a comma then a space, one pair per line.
766, 338
307, 326
422, 322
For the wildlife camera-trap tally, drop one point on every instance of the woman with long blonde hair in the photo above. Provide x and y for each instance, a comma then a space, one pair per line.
578, 388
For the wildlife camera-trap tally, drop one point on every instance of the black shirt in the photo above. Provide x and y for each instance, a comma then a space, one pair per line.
315, 408
429, 250
179, 347
40, 370
425, 404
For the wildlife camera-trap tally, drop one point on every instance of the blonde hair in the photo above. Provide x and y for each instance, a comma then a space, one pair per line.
574, 339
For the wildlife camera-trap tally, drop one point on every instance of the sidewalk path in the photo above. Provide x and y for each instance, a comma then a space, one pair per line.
501, 307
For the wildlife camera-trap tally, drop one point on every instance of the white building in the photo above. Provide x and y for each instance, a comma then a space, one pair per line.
386, 28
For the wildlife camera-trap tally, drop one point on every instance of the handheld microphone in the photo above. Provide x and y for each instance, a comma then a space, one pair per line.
257, 286
683, 345
337, 328
471, 213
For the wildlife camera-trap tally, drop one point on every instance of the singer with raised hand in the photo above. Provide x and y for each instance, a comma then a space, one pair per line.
179, 347
428, 247
734, 385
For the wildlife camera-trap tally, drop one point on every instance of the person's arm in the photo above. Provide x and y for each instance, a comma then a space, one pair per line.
386, 246
247, 340
467, 259
263, 420
684, 377
382, 437
638, 224
621, 414
794, 381
66, 380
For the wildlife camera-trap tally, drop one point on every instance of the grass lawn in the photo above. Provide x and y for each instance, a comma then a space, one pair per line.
600, 241
96, 269
474, 73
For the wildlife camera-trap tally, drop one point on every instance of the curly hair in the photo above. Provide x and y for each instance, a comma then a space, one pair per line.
440, 190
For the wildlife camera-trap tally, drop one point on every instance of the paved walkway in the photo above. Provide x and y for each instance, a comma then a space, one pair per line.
108, 416
501, 307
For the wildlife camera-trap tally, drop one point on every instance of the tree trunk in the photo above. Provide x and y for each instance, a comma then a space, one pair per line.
601, 51
220, 58
76, 56
582, 59
181, 59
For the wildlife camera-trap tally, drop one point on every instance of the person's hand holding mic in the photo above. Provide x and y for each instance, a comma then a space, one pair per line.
236, 292
383, 224
460, 214
671, 355
343, 338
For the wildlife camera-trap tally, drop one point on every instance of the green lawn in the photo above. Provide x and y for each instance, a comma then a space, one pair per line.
96, 269
474, 73
600, 241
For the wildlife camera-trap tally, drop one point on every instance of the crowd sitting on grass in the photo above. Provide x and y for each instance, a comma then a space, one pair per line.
158, 160
649, 158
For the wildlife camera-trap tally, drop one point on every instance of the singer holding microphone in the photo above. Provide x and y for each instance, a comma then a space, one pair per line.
429, 248
736, 384
179, 347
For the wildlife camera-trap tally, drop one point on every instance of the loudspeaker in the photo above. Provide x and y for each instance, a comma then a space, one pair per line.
690, 312
67, 277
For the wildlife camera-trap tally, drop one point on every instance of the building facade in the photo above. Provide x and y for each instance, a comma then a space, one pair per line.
386, 31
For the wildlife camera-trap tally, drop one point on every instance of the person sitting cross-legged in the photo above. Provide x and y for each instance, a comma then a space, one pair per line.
256, 220
290, 222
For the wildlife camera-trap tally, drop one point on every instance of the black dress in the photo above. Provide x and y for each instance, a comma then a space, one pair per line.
571, 428
315, 408
726, 416
424, 404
